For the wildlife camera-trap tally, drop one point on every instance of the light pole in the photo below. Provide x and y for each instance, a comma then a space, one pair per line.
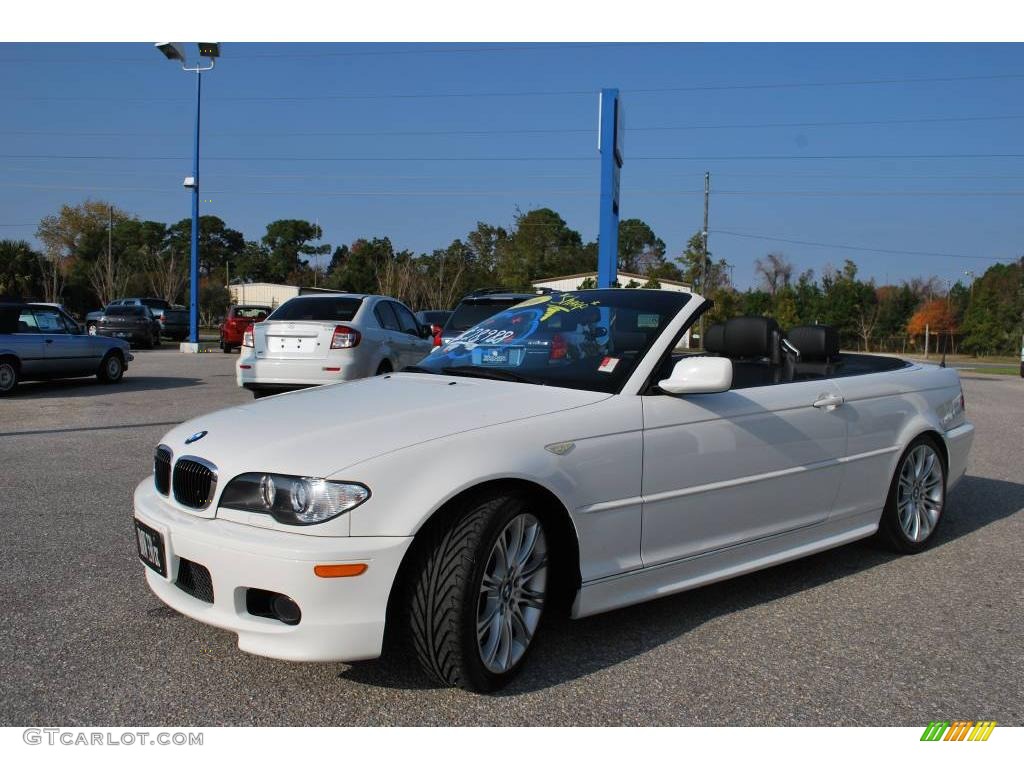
211, 52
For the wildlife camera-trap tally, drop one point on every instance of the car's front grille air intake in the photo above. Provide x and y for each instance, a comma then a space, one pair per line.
194, 579
162, 469
195, 481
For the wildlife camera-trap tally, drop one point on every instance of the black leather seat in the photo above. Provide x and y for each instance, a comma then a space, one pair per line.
714, 338
818, 346
754, 346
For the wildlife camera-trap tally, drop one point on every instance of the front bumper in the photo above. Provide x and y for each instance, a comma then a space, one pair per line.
342, 618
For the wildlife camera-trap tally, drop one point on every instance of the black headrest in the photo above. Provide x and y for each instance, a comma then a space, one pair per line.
752, 337
815, 342
714, 338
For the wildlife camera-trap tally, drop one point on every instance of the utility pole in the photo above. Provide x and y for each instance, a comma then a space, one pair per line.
110, 249
704, 250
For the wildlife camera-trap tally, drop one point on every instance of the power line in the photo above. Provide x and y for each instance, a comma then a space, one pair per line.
491, 192
149, 59
893, 251
531, 93
513, 158
491, 175
524, 131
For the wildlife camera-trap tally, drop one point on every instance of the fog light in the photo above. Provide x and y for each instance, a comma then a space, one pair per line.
285, 610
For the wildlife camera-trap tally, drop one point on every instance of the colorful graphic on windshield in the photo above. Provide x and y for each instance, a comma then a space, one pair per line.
581, 339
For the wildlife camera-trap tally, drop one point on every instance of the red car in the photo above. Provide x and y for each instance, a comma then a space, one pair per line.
239, 318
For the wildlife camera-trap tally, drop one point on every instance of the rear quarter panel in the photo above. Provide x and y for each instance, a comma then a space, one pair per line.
884, 412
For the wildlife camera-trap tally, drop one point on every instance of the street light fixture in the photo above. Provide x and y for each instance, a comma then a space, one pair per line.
210, 52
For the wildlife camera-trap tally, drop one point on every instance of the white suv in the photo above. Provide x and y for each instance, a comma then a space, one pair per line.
324, 339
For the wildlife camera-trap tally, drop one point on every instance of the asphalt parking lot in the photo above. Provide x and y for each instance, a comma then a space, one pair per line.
855, 636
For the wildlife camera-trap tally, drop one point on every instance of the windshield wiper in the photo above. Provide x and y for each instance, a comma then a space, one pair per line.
480, 372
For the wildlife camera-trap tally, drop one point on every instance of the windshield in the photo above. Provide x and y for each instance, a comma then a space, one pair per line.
341, 309
473, 311
590, 340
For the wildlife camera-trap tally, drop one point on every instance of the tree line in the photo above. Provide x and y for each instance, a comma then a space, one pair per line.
93, 252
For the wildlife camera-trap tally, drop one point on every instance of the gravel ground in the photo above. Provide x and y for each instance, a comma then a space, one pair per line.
855, 636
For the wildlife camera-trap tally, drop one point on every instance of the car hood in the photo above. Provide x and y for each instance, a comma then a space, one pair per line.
320, 431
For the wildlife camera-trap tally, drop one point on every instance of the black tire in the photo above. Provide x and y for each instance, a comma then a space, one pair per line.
444, 593
157, 341
225, 348
111, 369
8, 375
891, 533
384, 367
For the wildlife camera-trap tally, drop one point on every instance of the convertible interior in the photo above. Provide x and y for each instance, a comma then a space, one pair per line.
763, 355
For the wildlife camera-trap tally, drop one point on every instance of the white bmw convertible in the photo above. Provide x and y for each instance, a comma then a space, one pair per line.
561, 455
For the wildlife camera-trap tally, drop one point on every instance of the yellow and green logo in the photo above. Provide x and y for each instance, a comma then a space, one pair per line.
958, 730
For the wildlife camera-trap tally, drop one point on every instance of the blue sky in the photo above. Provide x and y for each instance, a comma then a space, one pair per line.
419, 142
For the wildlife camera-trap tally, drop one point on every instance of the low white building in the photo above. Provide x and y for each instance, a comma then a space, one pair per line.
572, 282
271, 294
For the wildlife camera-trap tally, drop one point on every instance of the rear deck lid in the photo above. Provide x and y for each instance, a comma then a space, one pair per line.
302, 327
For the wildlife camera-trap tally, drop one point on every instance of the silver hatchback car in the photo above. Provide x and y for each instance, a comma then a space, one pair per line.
40, 341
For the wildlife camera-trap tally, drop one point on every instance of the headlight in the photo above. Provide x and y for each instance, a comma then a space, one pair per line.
293, 500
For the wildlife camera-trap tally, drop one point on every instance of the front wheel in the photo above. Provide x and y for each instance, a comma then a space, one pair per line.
478, 593
917, 497
8, 377
111, 369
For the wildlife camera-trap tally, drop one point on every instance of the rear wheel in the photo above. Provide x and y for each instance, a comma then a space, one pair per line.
478, 592
917, 497
111, 369
8, 375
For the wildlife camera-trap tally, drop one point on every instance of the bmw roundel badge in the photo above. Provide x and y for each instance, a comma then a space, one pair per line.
196, 436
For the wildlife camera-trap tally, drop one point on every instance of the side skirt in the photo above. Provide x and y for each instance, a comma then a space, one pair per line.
689, 573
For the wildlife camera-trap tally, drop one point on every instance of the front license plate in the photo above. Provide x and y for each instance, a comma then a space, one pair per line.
151, 547
494, 357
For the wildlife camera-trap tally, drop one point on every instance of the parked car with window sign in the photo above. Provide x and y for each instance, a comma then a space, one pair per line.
477, 307
591, 474
39, 341
326, 338
240, 318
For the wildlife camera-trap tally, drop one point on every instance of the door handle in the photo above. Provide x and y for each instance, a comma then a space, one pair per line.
49, 341
828, 402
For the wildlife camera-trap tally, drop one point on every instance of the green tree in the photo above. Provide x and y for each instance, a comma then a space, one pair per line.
287, 242
640, 250
20, 274
218, 243
542, 245
992, 321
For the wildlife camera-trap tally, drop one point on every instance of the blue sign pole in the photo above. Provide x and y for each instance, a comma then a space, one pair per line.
610, 146
193, 315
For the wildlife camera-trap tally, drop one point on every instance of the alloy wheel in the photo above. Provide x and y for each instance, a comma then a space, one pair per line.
512, 593
920, 493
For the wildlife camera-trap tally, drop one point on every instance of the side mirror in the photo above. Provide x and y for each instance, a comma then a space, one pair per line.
696, 375
426, 332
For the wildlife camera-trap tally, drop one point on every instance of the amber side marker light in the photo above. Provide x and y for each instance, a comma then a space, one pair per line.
337, 571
